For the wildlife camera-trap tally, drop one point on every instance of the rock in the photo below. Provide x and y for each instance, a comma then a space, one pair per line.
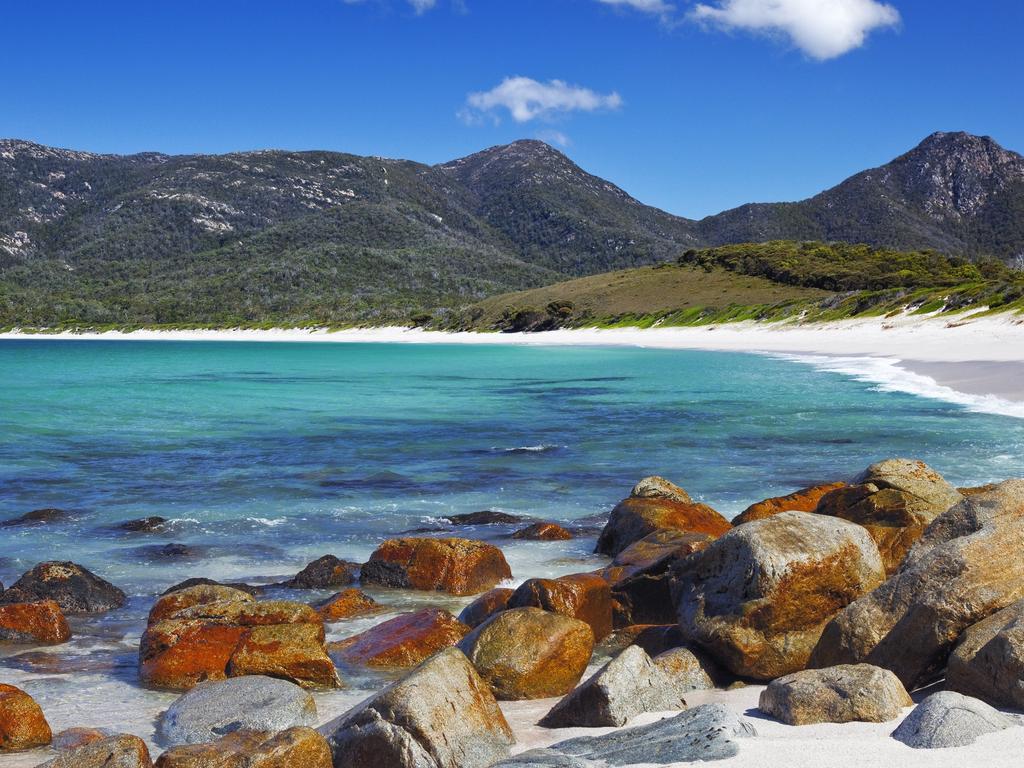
543, 532
707, 732
252, 613
625, 687
975, 490
643, 576
488, 517
456, 566
326, 573
988, 661
201, 582
758, 598
175, 551
144, 525
403, 641
653, 638
804, 500
440, 715
583, 596
73, 738
489, 603
346, 604
529, 653
895, 500
190, 597
966, 567
22, 724
655, 487
180, 653
844, 694
36, 517
72, 587
291, 651
121, 751
545, 758
949, 719
40, 623
689, 669
254, 703
294, 748
634, 518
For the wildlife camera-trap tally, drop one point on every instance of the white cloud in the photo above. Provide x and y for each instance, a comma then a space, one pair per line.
422, 6
552, 136
823, 29
656, 7
527, 99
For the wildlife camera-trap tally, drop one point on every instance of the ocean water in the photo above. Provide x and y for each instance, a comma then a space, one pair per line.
265, 456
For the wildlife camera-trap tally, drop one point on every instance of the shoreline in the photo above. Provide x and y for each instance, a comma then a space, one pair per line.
974, 362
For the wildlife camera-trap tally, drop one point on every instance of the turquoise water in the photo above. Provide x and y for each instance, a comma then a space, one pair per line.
264, 456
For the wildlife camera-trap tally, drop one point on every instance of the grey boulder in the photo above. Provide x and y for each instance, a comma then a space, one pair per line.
251, 703
626, 686
949, 719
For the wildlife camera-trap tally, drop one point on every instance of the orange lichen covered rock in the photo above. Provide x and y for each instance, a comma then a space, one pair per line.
294, 748
583, 596
346, 604
293, 652
38, 623
456, 566
804, 500
635, 517
179, 654
543, 532
403, 641
119, 751
489, 603
201, 594
22, 724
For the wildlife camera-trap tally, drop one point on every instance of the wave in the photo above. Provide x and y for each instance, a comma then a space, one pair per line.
270, 523
888, 375
542, 448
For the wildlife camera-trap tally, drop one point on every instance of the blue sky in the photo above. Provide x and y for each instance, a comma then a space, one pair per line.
691, 106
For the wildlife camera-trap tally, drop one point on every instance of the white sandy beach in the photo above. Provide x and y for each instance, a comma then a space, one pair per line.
978, 363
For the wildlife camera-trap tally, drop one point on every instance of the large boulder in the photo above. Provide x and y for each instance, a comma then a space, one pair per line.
298, 747
190, 597
255, 703
689, 669
895, 500
656, 487
347, 604
949, 719
966, 567
529, 653
40, 623
758, 598
583, 596
707, 732
489, 603
456, 566
72, 587
988, 661
440, 715
120, 751
844, 694
22, 724
636, 517
231, 638
804, 500
403, 641
328, 572
628, 685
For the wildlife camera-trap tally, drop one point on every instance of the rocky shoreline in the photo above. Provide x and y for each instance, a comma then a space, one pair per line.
849, 601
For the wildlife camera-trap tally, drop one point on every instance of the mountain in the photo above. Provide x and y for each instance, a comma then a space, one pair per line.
954, 192
275, 237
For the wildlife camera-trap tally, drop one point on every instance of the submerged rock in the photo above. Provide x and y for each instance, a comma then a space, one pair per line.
949, 719
583, 596
456, 566
22, 724
41, 623
346, 604
543, 532
966, 567
403, 641
487, 517
121, 751
804, 500
635, 517
326, 572
72, 587
254, 703
440, 715
843, 694
152, 524
489, 603
988, 661
36, 517
298, 747
625, 687
758, 598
